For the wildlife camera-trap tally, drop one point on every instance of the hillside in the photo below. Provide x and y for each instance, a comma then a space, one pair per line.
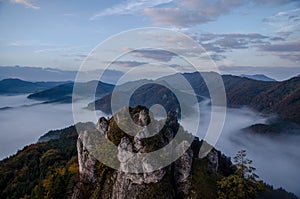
281, 98
46, 167
17, 86
151, 93
50, 169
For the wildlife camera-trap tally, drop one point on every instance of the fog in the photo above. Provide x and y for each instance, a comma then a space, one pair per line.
276, 158
27, 120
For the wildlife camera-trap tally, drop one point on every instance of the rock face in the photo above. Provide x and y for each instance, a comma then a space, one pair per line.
143, 118
137, 178
129, 163
213, 163
183, 165
87, 163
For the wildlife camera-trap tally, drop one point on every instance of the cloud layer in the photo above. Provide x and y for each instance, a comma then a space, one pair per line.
129, 7
195, 12
26, 3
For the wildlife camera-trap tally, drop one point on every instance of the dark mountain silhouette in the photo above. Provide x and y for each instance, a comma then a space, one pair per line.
17, 86
63, 93
150, 93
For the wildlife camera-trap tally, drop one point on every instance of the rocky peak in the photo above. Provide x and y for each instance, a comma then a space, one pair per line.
143, 118
102, 125
126, 182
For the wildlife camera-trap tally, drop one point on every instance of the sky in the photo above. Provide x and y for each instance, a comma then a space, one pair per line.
241, 36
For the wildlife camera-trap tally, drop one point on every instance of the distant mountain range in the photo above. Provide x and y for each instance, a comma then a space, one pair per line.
63, 93
17, 86
35, 74
282, 98
260, 77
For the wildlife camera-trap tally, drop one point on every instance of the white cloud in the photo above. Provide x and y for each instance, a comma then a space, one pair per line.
191, 12
287, 22
175, 17
27, 4
186, 13
129, 7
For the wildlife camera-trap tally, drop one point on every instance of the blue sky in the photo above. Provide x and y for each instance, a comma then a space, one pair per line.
238, 34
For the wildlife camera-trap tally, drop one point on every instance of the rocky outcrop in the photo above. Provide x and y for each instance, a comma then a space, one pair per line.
137, 176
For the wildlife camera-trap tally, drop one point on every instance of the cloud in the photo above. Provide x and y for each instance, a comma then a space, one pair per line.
128, 63
175, 17
238, 40
191, 12
61, 49
217, 57
285, 23
287, 50
248, 36
282, 47
217, 44
27, 3
293, 57
186, 13
28, 43
155, 54
275, 2
129, 7
212, 8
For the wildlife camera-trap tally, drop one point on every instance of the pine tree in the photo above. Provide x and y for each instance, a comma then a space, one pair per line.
243, 183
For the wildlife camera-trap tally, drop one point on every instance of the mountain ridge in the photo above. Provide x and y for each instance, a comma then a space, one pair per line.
65, 91
260, 77
268, 97
18, 86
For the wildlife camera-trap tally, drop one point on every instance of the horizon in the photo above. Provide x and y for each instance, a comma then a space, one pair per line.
276, 75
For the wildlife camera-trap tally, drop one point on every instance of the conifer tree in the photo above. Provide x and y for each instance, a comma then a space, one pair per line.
243, 183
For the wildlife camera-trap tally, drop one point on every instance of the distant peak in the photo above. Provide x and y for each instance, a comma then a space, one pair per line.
260, 77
